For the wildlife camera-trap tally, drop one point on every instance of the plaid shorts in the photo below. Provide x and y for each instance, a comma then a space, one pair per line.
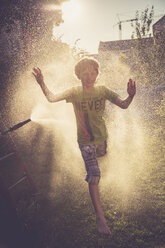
90, 152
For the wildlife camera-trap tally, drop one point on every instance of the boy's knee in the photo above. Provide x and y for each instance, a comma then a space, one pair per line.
100, 153
101, 149
93, 179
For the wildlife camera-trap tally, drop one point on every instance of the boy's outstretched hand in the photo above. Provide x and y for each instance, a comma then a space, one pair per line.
38, 75
131, 88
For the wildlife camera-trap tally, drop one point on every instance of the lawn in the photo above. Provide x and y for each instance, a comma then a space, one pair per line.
60, 214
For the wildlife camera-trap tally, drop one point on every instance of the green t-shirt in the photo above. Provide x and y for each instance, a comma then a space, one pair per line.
89, 109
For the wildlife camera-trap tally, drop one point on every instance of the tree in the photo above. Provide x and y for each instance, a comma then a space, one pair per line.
26, 32
143, 23
27, 26
78, 52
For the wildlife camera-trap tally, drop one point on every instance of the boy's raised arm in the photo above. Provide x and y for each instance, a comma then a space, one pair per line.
49, 95
131, 89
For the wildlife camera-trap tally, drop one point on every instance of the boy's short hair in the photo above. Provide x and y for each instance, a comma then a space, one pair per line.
83, 64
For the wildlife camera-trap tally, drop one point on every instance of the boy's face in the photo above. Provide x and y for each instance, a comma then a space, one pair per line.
88, 77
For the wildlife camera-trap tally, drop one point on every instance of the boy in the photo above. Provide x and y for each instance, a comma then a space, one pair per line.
89, 103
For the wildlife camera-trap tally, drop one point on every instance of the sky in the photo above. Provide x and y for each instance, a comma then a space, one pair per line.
92, 21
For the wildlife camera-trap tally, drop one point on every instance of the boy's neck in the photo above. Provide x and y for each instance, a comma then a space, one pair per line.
91, 89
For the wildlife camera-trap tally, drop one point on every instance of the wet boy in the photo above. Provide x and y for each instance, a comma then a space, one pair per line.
89, 103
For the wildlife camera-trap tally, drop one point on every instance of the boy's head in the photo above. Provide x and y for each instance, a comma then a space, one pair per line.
85, 64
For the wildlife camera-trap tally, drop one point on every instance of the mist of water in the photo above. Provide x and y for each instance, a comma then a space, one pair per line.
56, 140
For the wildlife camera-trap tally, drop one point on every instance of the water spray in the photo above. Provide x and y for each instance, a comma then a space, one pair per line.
18, 125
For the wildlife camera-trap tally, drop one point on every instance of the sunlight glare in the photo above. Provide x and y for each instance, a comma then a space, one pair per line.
71, 10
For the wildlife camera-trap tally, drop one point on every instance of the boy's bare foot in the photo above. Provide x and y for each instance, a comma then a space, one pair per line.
102, 225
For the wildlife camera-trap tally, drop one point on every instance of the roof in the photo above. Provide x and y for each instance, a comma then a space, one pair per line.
161, 21
159, 25
122, 44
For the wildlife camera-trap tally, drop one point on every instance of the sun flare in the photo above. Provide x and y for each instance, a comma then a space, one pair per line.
71, 10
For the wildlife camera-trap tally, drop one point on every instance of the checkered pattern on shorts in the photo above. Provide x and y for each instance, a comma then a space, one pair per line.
90, 152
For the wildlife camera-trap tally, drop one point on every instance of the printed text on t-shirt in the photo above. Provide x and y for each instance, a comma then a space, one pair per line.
96, 105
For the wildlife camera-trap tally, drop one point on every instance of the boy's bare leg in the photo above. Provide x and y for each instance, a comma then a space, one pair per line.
101, 222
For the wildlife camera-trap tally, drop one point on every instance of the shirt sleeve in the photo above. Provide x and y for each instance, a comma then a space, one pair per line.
68, 94
110, 95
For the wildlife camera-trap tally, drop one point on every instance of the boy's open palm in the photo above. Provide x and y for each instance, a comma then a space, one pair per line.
38, 75
131, 88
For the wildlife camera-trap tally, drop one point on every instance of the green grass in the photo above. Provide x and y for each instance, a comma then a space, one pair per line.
61, 215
